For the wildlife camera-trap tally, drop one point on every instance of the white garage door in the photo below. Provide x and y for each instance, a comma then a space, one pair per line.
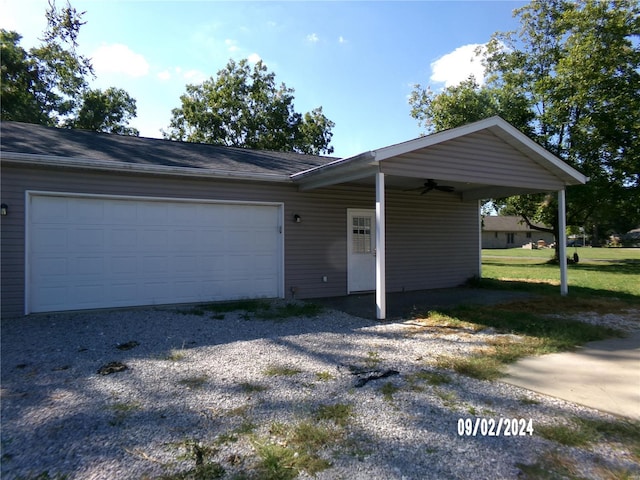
95, 252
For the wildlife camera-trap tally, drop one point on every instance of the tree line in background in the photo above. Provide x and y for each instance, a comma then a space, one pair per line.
570, 79
242, 107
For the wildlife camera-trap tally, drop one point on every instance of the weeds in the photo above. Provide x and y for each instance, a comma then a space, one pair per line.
194, 383
432, 378
175, 355
122, 411
290, 310
582, 431
294, 450
372, 360
324, 376
203, 468
281, 371
338, 413
248, 387
525, 333
280, 462
388, 389
478, 366
255, 308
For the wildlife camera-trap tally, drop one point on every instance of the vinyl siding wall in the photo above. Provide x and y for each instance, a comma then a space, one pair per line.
432, 240
475, 158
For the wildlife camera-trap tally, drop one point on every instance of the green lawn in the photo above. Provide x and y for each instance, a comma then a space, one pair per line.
600, 271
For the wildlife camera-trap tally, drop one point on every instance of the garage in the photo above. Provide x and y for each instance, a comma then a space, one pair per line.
96, 251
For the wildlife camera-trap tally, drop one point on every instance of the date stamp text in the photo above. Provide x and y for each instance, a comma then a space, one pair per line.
495, 427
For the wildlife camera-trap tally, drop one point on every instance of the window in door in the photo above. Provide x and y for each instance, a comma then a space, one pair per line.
361, 235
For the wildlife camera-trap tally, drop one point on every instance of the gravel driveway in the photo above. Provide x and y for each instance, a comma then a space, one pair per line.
202, 389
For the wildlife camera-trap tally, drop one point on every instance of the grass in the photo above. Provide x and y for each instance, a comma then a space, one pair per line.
338, 413
601, 271
581, 431
281, 371
388, 389
255, 308
605, 281
293, 449
535, 334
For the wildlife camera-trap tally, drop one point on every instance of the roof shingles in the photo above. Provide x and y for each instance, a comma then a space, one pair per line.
40, 140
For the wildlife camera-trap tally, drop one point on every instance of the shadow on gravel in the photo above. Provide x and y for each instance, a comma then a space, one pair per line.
202, 380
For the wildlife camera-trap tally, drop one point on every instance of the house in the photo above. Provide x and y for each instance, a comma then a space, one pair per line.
94, 220
510, 231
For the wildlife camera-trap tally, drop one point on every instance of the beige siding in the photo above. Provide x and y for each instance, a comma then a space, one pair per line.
432, 240
466, 159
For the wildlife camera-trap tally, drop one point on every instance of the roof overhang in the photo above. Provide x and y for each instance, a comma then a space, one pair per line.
485, 159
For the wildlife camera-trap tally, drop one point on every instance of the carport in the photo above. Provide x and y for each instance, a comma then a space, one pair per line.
485, 159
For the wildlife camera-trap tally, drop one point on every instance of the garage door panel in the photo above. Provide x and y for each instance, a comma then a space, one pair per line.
87, 239
123, 238
123, 265
47, 239
103, 251
43, 266
51, 212
88, 266
90, 212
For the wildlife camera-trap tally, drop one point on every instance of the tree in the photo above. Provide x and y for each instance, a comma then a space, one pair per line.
49, 84
106, 111
18, 82
243, 107
575, 66
466, 103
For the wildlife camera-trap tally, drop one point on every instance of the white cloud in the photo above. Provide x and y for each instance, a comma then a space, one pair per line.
341, 39
254, 58
313, 38
232, 45
164, 75
455, 67
118, 58
194, 76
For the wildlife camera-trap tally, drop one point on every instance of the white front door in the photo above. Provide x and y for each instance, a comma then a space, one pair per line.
361, 250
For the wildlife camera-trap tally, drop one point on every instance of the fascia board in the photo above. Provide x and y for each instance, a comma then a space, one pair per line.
105, 165
338, 171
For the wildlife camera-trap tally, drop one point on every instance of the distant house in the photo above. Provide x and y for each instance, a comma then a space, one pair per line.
511, 232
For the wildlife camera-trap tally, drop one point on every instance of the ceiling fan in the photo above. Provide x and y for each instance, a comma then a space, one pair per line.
431, 184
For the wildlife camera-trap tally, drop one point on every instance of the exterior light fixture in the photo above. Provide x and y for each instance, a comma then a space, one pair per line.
296, 218
4, 209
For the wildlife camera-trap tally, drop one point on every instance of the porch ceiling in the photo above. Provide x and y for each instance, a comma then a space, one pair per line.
486, 159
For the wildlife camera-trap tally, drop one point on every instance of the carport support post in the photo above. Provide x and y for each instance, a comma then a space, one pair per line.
381, 287
562, 245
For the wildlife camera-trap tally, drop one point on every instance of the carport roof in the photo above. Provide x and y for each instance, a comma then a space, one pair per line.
485, 159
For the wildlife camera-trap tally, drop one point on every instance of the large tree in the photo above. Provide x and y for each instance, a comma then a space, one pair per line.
106, 111
244, 107
49, 84
575, 67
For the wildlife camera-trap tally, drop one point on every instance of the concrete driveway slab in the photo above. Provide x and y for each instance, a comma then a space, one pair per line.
604, 375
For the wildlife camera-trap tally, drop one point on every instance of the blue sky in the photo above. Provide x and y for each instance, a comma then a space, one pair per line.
358, 60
